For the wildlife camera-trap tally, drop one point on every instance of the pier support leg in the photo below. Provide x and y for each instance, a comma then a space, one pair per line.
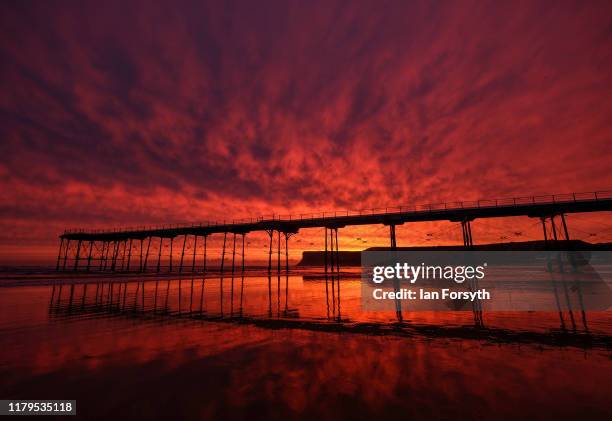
279, 252
115, 255
59, 254
331, 254
392, 235
183, 253
89, 255
287, 252
195, 247
337, 259
161, 246
223, 251
205, 242
567, 237
123, 255
108, 245
466, 227
271, 235
325, 255
140, 260
78, 255
129, 256
66, 254
543, 219
170, 264
243, 235
233, 253
144, 266
102, 256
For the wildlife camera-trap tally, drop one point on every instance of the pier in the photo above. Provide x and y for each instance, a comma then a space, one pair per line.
112, 250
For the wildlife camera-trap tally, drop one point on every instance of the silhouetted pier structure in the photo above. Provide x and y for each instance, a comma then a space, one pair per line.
111, 250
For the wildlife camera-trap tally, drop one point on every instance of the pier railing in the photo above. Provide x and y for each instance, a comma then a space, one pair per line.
389, 210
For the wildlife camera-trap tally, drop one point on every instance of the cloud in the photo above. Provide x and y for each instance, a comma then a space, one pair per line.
144, 112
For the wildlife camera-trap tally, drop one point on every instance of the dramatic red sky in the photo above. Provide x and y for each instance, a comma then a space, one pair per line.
123, 113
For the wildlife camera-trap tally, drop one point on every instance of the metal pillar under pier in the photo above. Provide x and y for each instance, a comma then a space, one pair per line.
59, 254
78, 254
466, 227
161, 246
144, 266
223, 251
89, 255
195, 247
129, 256
183, 253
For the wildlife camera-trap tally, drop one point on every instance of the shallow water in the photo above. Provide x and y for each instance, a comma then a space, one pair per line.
292, 346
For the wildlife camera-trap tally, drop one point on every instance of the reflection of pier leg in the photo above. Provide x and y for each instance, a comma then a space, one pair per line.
333, 280
269, 295
327, 294
135, 305
167, 296
191, 297
125, 286
232, 296
59, 254
241, 292
221, 294
569, 305
97, 292
286, 293
71, 297
278, 288
52, 295
338, 269
155, 298
202, 296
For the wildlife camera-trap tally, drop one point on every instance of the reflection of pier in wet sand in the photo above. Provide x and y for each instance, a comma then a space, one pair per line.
266, 302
